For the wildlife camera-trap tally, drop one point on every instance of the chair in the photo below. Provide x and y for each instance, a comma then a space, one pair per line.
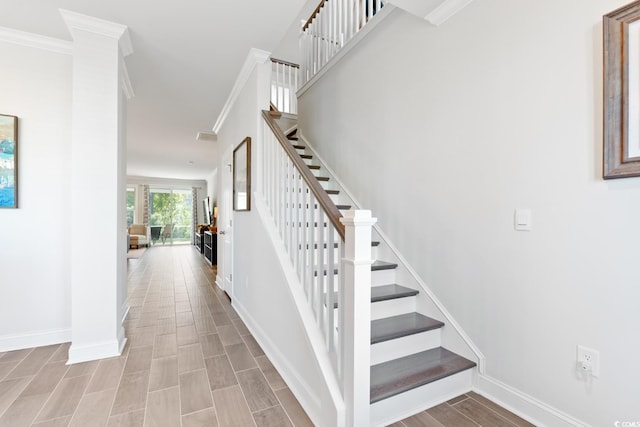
155, 233
166, 232
139, 235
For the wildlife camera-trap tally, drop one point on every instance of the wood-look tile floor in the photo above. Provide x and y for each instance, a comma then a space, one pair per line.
189, 361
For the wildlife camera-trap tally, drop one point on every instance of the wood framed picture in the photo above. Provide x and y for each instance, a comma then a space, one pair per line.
242, 176
621, 30
8, 161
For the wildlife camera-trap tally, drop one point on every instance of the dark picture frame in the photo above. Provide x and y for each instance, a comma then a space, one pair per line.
242, 176
8, 161
621, 154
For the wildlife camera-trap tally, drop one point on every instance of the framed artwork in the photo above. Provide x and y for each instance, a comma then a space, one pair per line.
8, 161
621, 31
242, 176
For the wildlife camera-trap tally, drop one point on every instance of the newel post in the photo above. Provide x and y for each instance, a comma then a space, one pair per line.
356, 296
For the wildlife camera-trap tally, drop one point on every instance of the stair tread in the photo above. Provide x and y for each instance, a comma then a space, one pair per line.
384, 293
313, 166
299, 147
403, 325
306, 156
343, 207
375, 243
397, 376
322, 178
388, 292
382, 265
332, 191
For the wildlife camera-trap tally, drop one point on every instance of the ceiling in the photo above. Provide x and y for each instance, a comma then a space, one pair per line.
186, 56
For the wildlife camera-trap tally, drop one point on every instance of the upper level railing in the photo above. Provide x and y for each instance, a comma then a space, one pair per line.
284, 84
332, 24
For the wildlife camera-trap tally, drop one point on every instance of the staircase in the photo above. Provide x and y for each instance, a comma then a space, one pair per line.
410, 370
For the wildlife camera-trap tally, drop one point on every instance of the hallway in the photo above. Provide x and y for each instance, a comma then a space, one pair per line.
189, 361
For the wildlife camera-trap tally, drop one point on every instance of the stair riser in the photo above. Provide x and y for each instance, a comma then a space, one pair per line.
393, 307
393, 409
383, 277
401, 347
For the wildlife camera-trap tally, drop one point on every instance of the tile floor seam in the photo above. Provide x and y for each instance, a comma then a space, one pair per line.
492, 411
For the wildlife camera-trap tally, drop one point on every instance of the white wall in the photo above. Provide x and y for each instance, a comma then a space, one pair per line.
453, 128
35, 307
260, 292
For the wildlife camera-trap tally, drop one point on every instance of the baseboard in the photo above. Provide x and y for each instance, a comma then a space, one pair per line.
523, 405
34, 339
305, 395
86, 353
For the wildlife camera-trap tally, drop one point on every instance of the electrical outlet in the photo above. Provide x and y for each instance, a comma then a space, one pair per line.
588, 361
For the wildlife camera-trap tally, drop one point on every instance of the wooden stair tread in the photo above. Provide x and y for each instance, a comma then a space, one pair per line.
299, 147
389, 292
403, 325
383, 293
397, 376
306, 156
332, 191
322, 178
313, 166
374, 243
382, 265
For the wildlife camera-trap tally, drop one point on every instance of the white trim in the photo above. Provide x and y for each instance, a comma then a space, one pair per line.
445, 11
127, 87
307, 397
37, 41
538, 413
449, 318
77, 21
103, 350
255, 57
34, 339
125, 310
353, 42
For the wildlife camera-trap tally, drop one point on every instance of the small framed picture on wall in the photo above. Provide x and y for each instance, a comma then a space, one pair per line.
8, 161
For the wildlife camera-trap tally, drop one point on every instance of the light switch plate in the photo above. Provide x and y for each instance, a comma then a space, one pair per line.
523, 220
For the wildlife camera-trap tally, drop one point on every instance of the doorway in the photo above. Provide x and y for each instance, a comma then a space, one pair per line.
171, 216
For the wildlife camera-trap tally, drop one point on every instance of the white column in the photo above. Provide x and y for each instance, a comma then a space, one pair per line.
356, 301
98, 180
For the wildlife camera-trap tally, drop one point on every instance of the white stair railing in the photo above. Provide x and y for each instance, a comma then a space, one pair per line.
330, 27
284, 84
331, 256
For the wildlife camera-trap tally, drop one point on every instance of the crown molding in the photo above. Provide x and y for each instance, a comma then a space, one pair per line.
79, 22
37, 41
255, 57
445, 11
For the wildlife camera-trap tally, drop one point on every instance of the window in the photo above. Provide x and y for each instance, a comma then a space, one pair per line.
131, 205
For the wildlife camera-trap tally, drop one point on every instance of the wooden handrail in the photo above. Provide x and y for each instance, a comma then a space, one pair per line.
313, 15
320, 194
283, 62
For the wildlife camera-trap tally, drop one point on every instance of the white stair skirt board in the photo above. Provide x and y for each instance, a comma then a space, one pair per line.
403, 405
404, 346
34, 339
393, 307
79, 354
383, 277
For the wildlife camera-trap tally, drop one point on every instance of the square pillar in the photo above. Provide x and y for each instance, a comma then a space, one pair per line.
98, 180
